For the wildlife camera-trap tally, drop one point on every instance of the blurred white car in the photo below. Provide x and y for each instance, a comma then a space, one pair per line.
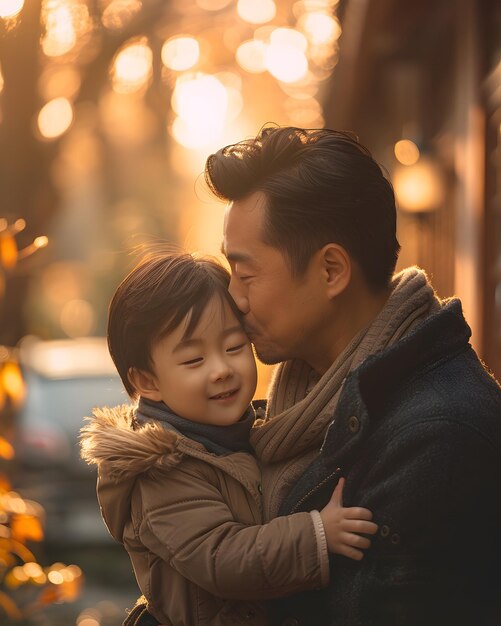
65, 380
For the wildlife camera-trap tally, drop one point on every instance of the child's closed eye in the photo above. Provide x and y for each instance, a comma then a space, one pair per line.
194, 361
236, 348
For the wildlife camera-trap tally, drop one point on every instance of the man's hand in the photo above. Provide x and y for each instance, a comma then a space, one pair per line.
344, 526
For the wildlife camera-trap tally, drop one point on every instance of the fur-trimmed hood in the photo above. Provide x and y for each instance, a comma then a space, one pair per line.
122, 450
111, 436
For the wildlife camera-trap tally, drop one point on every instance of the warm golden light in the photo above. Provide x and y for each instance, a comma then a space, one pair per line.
213, 5
55, 577
119, 13
55, 118
306, 113
65, 21
41, 242
201, 102
289, 37
284, 58
77, 318
320, 28
6, 449
8, 251
256, 11
32, 570
12, 381
419, 188
180, 53
250, 55
10, 8
406, 152
59, 82
132, 67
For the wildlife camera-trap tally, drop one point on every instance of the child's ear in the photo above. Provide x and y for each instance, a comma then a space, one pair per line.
145, 384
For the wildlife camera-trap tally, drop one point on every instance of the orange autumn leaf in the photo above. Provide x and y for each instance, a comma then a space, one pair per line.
26, 528
12, 381
8, 251
6, 449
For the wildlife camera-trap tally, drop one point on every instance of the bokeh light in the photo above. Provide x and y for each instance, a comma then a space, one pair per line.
132, 67
55, 118
10, 8
406, 152
285, 56
119, 13
250, 56
419, 188
180, 53
201, 103
256, 11
77, 318
65, 21
320, 28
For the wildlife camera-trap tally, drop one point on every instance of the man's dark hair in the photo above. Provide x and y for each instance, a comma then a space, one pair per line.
154, 299
321, 186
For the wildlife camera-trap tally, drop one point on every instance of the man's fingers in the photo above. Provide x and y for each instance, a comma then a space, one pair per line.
359, 526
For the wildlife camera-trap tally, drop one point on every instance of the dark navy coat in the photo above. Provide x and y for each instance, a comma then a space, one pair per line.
417, 434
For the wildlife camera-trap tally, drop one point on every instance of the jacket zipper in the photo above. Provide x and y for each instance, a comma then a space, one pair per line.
315, 488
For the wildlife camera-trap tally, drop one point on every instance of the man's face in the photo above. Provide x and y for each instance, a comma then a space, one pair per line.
283, 316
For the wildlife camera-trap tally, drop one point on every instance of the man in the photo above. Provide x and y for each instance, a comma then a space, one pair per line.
377, 382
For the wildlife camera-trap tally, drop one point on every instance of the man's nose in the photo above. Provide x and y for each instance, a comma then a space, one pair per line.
238, 293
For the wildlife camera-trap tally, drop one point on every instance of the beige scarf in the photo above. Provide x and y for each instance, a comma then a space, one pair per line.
300, 405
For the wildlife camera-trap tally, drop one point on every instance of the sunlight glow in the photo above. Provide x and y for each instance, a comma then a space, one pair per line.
285, 56
119, 13
180, 53
201, 102
65, 21
10, 8
256, 11
289, 37
406, 152
132, 67
55, 118
419, 188
213, 5
320, 28
250, 56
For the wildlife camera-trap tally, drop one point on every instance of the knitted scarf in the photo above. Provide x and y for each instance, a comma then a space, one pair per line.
220, 440
301, 404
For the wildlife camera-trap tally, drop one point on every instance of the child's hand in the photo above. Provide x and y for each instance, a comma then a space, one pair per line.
343, 526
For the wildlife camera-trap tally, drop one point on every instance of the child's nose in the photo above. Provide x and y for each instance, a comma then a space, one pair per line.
221, 369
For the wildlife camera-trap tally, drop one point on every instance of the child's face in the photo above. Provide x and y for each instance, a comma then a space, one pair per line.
210, 377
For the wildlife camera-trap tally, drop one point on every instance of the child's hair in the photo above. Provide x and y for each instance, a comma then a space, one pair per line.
154, 299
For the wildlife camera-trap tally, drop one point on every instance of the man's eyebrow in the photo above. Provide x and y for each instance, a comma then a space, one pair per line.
239, 257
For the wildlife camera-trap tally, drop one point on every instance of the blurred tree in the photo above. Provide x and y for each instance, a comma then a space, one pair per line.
26, 156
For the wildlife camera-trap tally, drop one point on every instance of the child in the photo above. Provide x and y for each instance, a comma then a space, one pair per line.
178, 484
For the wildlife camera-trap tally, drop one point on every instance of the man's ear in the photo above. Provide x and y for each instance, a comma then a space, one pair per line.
145, 384
336, 268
